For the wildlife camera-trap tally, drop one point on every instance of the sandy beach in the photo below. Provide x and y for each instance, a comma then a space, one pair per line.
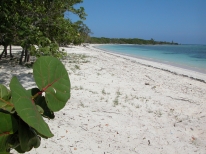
123, 105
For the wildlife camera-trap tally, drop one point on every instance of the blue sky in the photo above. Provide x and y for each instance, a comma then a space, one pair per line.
182, 21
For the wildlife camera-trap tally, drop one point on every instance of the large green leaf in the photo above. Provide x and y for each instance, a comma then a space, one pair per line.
52, 78
8, 125
3, 141
12, 141
19, 150
40, 101
26, 108
27, 137
5, 96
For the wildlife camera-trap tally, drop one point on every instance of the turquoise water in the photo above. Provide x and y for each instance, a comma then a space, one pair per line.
191, 57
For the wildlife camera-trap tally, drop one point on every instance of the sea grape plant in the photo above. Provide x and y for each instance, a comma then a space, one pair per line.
21, 111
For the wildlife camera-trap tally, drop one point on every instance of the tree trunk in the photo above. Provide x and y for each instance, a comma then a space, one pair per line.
22, 54
27, 55
4, 52
11, 56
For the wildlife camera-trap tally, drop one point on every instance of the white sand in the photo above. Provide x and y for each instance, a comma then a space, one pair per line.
120, 106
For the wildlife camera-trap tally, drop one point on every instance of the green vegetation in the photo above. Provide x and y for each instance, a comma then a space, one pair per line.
103, 92
116, 101
77, 58
21, 110
77, 67
118, 92
39, 26
103, 40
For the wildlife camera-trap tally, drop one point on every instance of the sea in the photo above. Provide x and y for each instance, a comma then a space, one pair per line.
192, 57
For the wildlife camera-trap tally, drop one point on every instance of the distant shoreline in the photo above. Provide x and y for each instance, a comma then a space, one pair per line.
104, 40
169, 67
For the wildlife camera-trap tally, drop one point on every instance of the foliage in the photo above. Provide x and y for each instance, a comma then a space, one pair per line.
83, 31
103, 40
39, 23
21, 110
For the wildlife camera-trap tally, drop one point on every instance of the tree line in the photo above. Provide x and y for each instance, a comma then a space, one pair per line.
39, 26
104, 40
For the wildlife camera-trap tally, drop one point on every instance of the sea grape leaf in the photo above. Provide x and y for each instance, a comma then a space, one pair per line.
27, 137
41, 111
5, 96
13, 141
26, 108
19, 150
3, 140
40, 101
52, 78
8, 126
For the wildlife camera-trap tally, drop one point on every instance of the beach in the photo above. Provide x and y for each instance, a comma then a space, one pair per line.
123, 105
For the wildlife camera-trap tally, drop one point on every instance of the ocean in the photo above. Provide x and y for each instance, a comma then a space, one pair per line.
192, 57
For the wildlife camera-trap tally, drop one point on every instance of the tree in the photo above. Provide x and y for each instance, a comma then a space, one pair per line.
40, 23
7, 18
103, 40
152, 41
82, 30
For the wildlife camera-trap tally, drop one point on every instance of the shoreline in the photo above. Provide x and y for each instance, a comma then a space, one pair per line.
186, 72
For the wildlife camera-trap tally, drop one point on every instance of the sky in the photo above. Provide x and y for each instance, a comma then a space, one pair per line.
181, 21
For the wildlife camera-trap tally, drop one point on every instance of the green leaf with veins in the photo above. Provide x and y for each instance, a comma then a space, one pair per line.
52, 78
41, 102
26, 108
8, 126
27, 137
5, 96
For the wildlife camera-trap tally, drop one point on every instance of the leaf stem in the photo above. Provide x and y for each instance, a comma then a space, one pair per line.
37, 94
43, 90
5, 133
8, 103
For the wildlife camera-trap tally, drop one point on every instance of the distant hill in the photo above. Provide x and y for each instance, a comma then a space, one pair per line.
104, 40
